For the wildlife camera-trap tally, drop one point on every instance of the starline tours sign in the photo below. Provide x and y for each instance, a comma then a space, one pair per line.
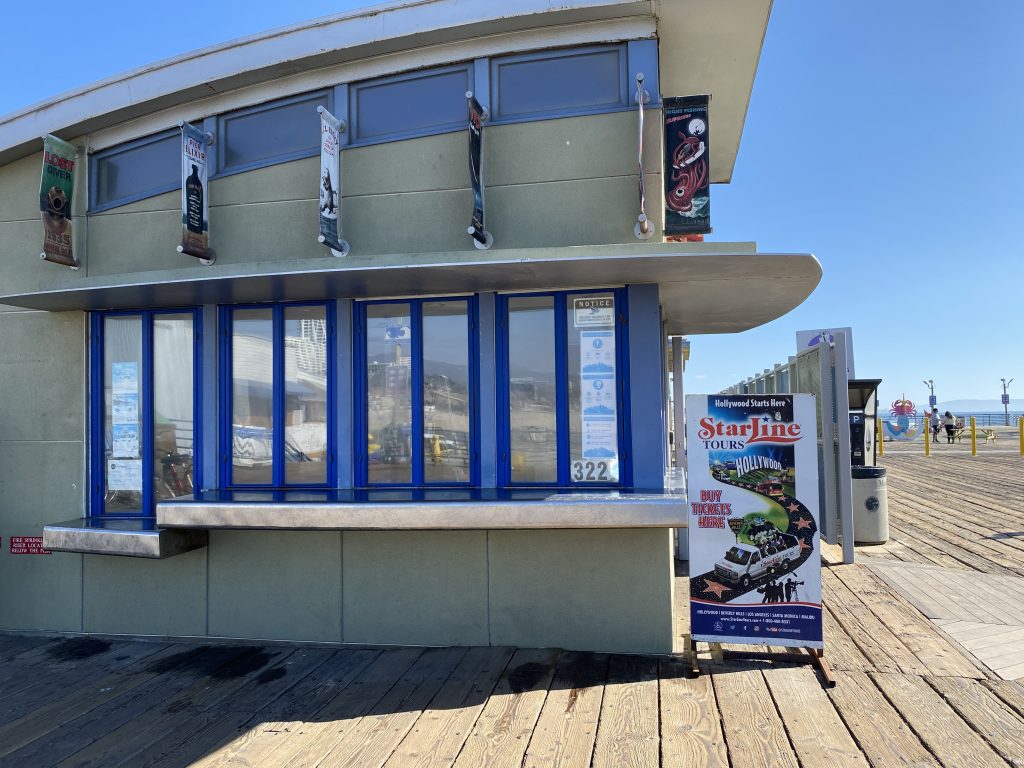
753, 520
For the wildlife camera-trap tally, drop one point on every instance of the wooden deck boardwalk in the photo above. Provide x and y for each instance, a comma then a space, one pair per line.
909, 692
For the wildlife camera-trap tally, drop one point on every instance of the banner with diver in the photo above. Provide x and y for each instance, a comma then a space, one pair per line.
687, 167
55, 190
755, 563
330, 183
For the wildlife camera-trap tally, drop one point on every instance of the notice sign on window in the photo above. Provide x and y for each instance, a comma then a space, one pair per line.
28, 545
593, 312
600, 455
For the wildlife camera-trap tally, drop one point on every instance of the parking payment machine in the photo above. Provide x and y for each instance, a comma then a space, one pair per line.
863, 412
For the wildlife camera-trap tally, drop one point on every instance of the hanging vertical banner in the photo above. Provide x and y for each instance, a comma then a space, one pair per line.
331, 129
55, 190
477, 114
195, 207
752, 489
687, 175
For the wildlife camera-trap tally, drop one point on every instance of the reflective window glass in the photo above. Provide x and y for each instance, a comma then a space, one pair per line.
252, 396
561, 82
173, 415
269, 132
122, 427
420, 103
148, 168
305, 382
446, 392
533, 432
389, 393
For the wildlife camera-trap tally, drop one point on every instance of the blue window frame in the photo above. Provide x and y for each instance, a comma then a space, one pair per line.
278, 417
416, 380
275, 132
411, 104
145, 406
135, 170
563, 417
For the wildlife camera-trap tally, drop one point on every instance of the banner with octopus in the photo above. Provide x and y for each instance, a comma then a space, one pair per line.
755, 564
687, 168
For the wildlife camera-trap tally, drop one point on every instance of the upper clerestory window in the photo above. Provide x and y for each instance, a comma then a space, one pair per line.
283, 130
559, 83
412, 104
135, 170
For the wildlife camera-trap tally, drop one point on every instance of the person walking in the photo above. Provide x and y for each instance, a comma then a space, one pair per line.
933, 421
949, 422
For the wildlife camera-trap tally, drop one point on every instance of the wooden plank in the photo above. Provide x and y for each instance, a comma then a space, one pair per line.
11, 646
370, 741
130, 744
50, 742
80, 700
220, 738
880, 731
501, 734
754, 734
1011, 693
628, 732
691, 731
313, 739
438, 735
998, 724
78, 674
917, 634
842, 651
945, 734
815, 729
567, 726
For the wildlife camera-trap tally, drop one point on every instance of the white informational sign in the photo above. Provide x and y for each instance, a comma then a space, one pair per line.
124, 408
755, 553
600, 449
806, 339
124, 440
597, 311
124, 377
124, 474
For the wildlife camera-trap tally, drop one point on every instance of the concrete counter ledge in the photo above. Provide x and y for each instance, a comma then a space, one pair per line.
424, 510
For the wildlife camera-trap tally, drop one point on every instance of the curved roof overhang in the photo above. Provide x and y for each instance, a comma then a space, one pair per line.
700, 292
706, 47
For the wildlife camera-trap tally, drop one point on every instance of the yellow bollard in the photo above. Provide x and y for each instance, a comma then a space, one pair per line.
1020, 432
927, 436
878, 438
974, 438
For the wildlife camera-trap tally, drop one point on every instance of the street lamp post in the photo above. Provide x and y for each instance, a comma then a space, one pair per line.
1006, 401
931, 392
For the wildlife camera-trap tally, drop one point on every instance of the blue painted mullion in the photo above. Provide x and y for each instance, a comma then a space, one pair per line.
278, 389
502, 388
98, 480
146, 442
561, 389
473, 370
360, 476
416, 375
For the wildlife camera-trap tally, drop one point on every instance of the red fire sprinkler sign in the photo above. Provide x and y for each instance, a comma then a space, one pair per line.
28, 545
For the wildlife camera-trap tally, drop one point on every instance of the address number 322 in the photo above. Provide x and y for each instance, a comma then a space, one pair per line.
590, 471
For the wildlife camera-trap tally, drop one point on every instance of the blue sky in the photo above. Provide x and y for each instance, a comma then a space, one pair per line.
881, 136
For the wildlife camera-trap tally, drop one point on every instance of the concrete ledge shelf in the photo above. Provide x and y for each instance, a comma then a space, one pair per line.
128, 537
424, 510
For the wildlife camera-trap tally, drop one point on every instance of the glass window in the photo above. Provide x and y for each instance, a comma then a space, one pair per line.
281, 370
145, 367
140, 169
173, 407
418, 408
417, 103
572, 81
275, 132
533, 429
446, 390
562, 397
